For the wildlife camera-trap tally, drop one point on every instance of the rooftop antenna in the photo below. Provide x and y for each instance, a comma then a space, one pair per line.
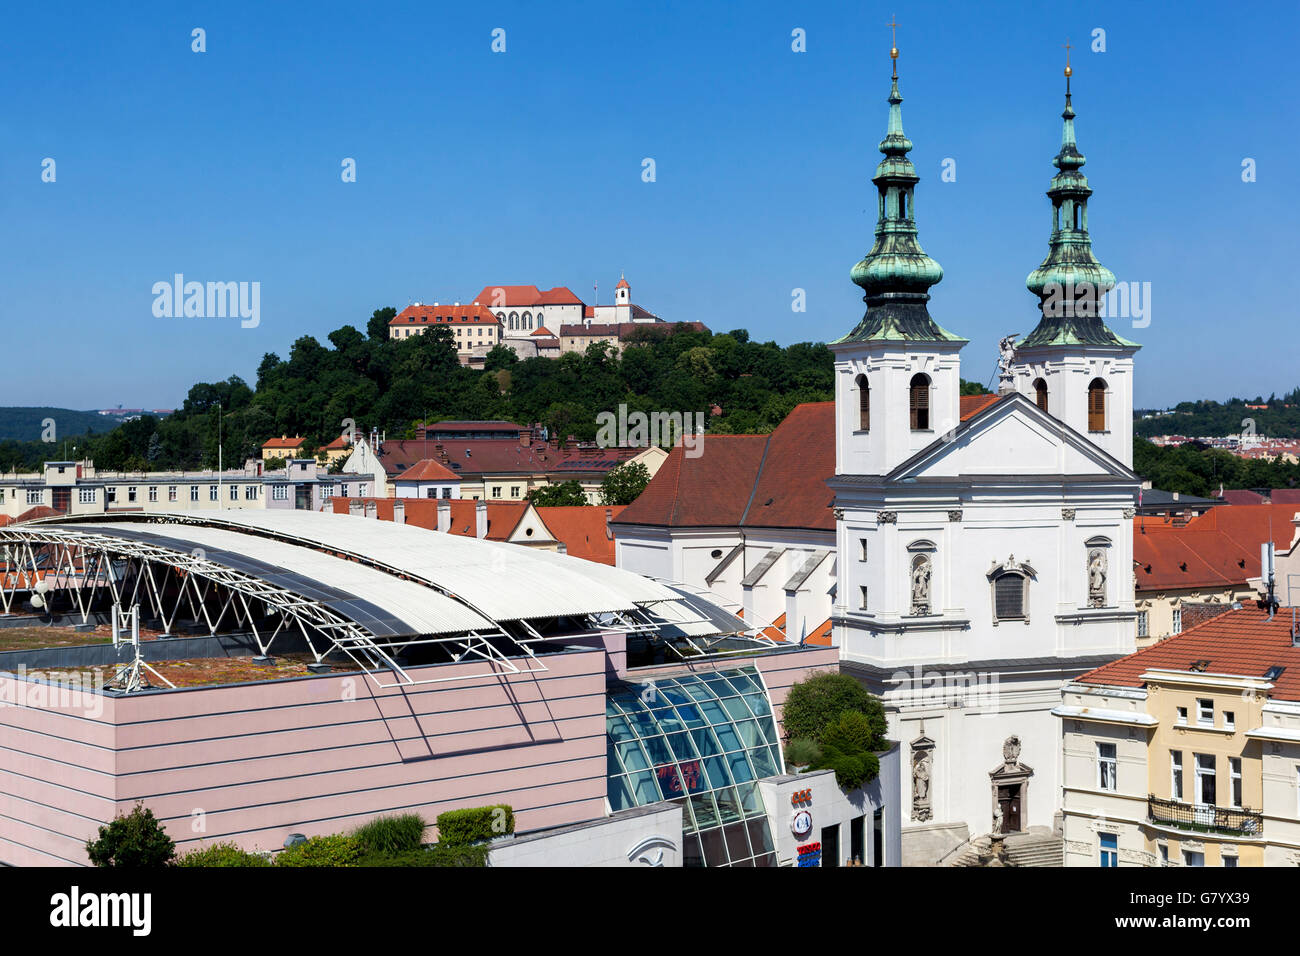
130, 676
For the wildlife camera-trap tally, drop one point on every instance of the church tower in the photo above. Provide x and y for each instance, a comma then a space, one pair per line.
897, 374
1072, 365
622, 291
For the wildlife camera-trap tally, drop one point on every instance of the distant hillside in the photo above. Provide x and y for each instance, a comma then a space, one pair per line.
28, 424
1270, 417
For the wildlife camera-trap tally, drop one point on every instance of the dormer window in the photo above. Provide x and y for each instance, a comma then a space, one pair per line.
919, 402
864, 403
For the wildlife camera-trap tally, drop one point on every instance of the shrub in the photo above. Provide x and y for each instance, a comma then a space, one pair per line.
474, 824
802, 752
436, 855
134, 840
394, 834
222, 854
815, 702
848, 743
332, 850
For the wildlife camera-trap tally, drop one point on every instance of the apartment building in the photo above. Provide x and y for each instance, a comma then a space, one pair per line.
1187, 753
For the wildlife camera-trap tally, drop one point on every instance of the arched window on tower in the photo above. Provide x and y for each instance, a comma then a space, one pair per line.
1097, 406
919, 402
1078, 216
1040, 393
864, 403
902, 204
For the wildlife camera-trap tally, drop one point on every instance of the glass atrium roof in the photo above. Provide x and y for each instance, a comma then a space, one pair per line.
702, 741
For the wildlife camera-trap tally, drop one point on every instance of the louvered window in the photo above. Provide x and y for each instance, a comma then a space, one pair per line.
919, 402
1040, 393
864, 404
1097, 406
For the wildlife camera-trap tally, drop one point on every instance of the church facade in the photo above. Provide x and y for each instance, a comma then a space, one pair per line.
968, 555
984, 559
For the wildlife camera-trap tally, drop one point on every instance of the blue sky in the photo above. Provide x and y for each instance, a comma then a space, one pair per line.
477, 168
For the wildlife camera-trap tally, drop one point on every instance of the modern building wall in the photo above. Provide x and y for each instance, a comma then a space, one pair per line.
255, 762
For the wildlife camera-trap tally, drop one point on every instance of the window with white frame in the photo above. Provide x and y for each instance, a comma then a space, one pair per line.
1204, 712
1234, 777
234, 492
86, 496
1109, 843
130, 493
153, 492
194, 492
1142, 624
171, 492
212, 492
1178, 621
1176, 774
1228, 859
1229, 720
1106, 767
34, 496
250, 492
1193, 858
496, 492
344, 490
279, 492
110, 496
446, 492
327, 489
1164, 853
1205, 789
2, 496
1182, 716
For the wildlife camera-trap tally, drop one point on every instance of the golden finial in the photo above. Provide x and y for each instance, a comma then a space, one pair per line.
893, 42
1068, 72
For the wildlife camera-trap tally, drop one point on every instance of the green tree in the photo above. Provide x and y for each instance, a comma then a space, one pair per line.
624, 484
377, 327
565, 493
816, 701
136, 839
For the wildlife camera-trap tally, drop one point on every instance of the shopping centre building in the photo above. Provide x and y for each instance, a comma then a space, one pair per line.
332, 668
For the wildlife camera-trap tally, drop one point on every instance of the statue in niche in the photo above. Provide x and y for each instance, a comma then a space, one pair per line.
1097, 577
920, 585
921, 767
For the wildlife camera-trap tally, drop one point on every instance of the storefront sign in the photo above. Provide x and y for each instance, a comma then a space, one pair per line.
801, 823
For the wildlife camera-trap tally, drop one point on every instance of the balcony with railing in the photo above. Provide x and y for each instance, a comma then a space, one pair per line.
1204, 818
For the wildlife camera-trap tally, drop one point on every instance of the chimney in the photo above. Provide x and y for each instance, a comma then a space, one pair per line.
444, 515
372, 509
399, 511
480, 519
356, 507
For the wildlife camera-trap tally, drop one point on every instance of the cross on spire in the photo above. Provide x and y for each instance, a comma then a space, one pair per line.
893, 42
1068, 71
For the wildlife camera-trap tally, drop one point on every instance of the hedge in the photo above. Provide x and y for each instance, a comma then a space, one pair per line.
474, 824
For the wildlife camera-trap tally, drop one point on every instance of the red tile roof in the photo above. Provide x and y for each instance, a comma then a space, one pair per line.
337, 444
1251, 525
625, 329
515, 296
424, 315
972, 405
1175, 557
283, 442
428, 470
584, 530
502, 457
1241, 496
40, 511
542, 330
762, 481
1240, 642
504, 296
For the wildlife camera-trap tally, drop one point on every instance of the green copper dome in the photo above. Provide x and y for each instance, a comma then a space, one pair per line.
896, 274
1070, 282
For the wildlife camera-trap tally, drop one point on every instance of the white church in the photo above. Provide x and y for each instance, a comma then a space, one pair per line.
982, 547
